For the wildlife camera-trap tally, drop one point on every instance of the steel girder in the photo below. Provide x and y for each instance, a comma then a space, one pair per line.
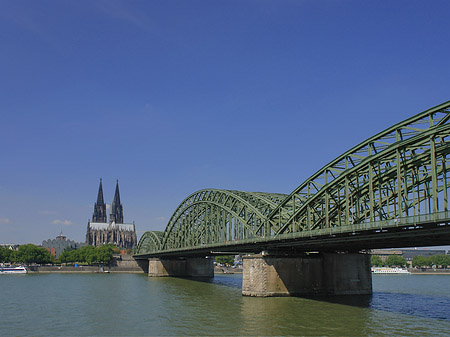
401, 172
375, 179
408, 178
213, 216
150, 242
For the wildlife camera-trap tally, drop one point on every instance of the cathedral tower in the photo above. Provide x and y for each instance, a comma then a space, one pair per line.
116, 208
99, 232
100, 206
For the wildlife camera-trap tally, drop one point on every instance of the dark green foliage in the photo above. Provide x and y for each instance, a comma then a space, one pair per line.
395, 261
5, 254
31, 254
225, 259
421, 261
440, 261
88, 254
376, 261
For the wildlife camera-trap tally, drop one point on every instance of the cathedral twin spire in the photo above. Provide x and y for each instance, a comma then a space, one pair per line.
116, 214
116, 207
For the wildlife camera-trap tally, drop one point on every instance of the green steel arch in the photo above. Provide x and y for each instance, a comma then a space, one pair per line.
219, 216
150, 242
381, 178
398, 173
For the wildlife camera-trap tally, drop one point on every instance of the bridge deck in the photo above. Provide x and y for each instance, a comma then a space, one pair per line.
413, 231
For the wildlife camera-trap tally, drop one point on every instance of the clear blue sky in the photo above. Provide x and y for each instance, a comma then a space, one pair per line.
171, 97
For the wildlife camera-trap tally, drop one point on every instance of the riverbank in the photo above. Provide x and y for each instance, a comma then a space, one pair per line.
109, 269
227, 270
429, 271
119, 264
81, 269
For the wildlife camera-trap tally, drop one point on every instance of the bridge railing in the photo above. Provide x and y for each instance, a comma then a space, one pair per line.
414, 220
409, 221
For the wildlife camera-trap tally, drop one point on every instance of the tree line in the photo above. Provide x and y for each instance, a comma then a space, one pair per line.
88, 254
440, 261
29, 253
391, 261
225, 259
26, 254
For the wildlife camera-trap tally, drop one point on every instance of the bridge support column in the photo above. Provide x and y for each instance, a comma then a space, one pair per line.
184, 267
306, 275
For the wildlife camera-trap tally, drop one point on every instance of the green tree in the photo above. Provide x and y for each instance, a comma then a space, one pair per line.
376, 261
88, 254
440, 261
104, 254
115, 250
225, 259
67, 256
446, 261
32, 254
395, 260
5, 254
84, 254
421, 261
63, 257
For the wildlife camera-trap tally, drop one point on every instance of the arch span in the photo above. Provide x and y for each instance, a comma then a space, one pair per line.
381, 178
398, 173
150, 242
214, 216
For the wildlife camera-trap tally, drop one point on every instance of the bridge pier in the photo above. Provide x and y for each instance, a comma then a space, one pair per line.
307, 275
184, 267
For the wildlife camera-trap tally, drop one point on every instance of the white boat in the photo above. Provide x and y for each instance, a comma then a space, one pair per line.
389, 270
13, 270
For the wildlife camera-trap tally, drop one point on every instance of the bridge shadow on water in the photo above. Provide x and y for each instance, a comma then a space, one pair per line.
228, 280
424, 306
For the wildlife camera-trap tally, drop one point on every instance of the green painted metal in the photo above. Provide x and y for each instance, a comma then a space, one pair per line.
398, 173
376, 177
150, 242
211, 216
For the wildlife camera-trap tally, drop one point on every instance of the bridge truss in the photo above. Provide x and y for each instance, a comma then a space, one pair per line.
389, 182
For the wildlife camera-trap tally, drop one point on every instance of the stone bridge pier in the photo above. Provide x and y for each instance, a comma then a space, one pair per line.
307, 275
183, 267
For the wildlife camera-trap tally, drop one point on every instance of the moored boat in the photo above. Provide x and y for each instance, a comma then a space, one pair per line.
389, 270
13, 270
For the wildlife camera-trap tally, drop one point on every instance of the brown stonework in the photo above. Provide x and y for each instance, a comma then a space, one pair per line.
315, 274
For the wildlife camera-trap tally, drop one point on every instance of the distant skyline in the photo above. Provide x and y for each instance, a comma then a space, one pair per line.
171, 97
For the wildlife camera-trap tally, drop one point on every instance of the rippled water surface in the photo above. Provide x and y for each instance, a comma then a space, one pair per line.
135, 305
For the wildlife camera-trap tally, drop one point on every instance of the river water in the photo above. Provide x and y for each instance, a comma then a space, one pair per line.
136, 305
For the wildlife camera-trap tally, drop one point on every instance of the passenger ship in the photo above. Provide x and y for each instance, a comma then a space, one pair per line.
388, 270
13, 270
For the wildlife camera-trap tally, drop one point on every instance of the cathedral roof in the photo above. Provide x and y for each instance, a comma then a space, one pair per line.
108, 226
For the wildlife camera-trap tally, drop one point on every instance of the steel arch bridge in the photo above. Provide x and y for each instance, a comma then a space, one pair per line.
390, 190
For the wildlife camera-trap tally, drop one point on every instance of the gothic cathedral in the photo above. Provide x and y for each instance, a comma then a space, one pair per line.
116, 232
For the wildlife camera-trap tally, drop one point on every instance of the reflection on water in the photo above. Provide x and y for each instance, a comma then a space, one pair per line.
415, 305
434, 303
362, 301
135, 305
299, 316
234, 280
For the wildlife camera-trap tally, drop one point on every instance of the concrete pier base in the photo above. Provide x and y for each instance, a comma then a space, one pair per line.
184, 267
307, 275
